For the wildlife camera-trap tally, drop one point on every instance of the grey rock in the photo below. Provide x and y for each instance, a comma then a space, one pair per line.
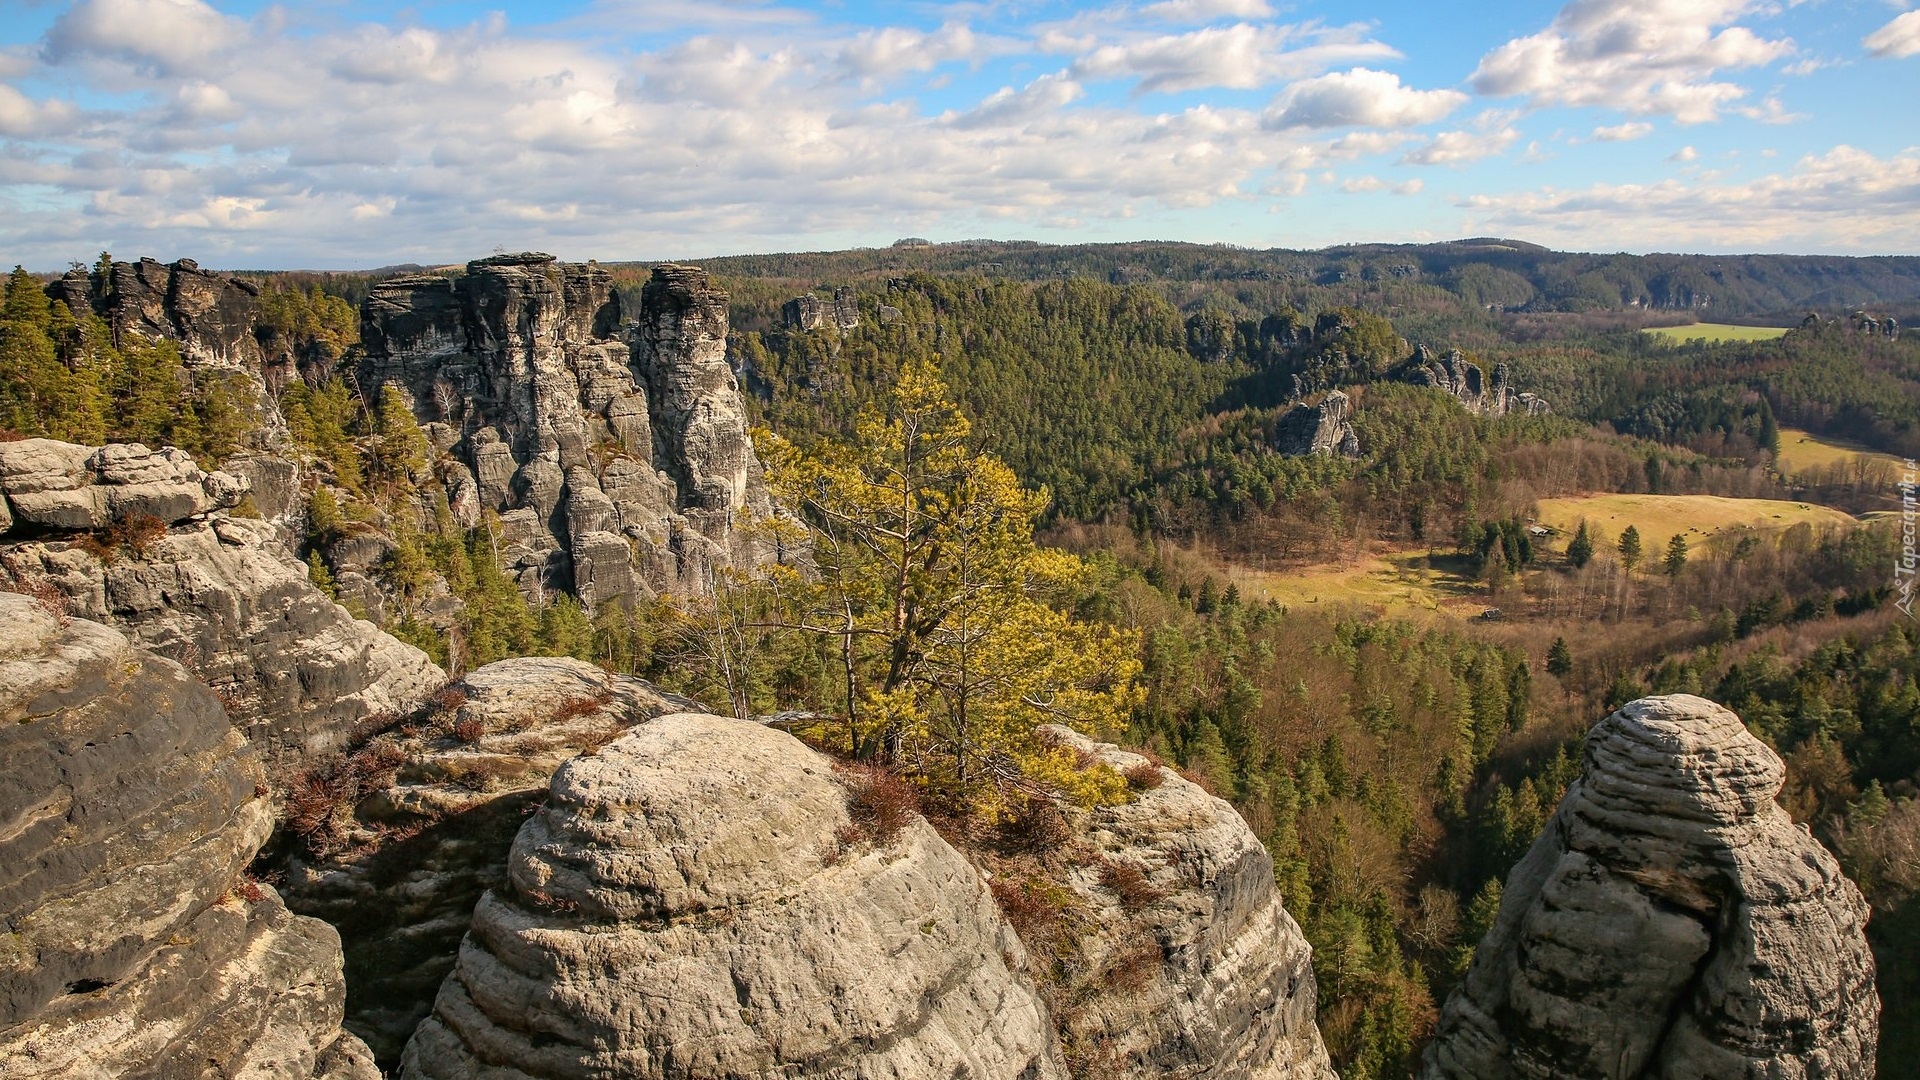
56, 485
682, 906
587, 436
1323, 428
1670, 921
415, 854
1233, 997
223, 596
130, 810
1462, 378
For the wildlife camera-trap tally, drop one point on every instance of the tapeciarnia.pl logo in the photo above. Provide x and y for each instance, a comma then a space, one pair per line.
1904, 566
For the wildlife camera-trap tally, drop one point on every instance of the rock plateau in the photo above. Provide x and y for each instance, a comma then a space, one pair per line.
686, 905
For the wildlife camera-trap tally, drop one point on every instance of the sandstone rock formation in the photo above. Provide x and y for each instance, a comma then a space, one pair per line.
218, 593
1324, 428
1231, 995
617, 458
1671, 921
407, 862
129, 811
686, 905
810, 311
1462, 378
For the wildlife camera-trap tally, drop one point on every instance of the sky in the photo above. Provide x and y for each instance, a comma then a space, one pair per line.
344, 134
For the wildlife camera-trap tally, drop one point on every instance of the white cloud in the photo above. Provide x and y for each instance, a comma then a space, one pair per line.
1359, 98
1896, 40
1844, 199
1684, 154
1238, 57
1627, 132
1647, 57
1200, 11
166, 36
1461, 147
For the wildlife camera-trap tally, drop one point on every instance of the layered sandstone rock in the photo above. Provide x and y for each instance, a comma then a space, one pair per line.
617, 458
1324, 428
218, 593
1670, 921
1230, 994
1462, 378
128, 813
404, 865
686, 905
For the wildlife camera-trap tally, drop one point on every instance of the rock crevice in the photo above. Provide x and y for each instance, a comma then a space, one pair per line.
136, 945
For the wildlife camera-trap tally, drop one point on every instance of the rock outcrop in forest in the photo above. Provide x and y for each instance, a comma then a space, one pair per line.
136, 944
1462, 378
1670, 921
142, 540
615, 455
695, 899
1323, 428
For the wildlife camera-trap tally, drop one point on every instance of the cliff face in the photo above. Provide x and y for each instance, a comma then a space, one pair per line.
1229, 992
1480, 394
618, 461
689, 902
1324, 429
398, 869
1670, 921
218, 593
128, 813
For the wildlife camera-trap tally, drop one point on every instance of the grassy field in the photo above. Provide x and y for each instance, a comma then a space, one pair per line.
1718, 332
1800, 452
1402, 584
1661, 516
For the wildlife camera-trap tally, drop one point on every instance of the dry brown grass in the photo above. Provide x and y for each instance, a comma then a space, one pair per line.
47, 595
1130, 884
1145, 776
880, 803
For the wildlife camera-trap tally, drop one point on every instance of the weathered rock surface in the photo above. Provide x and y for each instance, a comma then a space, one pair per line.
617, 458
408, 861
55, 485
811, 311
1324, 428
1671, 921
1232, 996
682, 906
217, 593
1462, 378
129, 809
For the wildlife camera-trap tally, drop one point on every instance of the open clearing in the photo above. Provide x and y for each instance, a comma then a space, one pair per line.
1801, 452
1712, 331
1395, 583
1696, 516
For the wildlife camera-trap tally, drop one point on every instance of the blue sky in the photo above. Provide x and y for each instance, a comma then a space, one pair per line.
350, 134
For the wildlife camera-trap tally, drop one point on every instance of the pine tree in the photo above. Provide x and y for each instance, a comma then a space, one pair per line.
1630, 548
1559, 659
1676, 560
1580, 550
935, 596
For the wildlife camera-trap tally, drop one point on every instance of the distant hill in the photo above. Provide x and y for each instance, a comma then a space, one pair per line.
1491, 273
